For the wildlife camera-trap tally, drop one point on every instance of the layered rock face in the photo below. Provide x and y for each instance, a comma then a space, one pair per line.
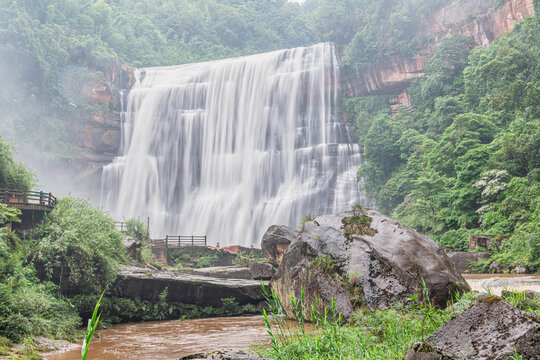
374, 261
480, 19
146, 284
98, 128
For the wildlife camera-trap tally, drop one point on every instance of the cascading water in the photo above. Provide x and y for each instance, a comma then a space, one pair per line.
227, 148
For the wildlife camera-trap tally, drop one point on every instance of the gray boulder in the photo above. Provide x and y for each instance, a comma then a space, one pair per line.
375, 264
224, 355
490, 329
275, 242
462, 260
261, 271
496, 268
132, 246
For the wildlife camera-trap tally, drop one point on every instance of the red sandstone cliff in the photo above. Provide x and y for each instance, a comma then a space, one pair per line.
475, 18
98, 130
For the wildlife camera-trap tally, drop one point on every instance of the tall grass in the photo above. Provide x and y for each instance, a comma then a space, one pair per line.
92, 325
385, 334
380, 334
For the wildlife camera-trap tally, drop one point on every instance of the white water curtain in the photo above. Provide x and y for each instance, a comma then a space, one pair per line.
228, 148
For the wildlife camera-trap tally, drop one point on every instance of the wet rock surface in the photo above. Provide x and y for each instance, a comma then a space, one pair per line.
490, 329
148, 284
224, 272
462, 260
275, 242
376, 270
224, 355
132, 246
261, 271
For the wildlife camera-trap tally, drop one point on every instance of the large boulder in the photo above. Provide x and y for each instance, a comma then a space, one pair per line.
275, 242
224, 355
463, 260
261, 271
490, 329
364, 258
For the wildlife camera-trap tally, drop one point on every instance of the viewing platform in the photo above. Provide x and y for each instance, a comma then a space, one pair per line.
28, 200
33, 205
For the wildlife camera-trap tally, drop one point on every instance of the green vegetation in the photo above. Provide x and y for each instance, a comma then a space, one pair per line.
379, 334
78, 247
28, 306
384, 334
466, 160
92, 325
51, 50
324, 264
13, 175
199, 257
244, 258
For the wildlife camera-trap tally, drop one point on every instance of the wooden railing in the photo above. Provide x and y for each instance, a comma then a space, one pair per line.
175, 241
121, 226
16, 198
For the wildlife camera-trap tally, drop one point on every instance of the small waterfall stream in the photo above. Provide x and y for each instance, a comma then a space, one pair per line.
227, 148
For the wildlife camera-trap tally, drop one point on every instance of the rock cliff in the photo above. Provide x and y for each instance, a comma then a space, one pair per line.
95, 132
480, 19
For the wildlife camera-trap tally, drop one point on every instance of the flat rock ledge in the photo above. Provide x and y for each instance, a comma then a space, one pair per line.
224, 355
224, 272
491, 329
147, 284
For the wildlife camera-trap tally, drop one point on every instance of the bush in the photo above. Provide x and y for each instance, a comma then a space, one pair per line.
14, 175
78, 248
28, 307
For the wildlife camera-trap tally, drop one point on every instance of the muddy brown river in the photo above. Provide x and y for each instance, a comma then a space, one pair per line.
496, 283
167, 340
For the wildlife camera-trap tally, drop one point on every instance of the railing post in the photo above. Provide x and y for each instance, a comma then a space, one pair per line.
148, 226
192, 242
166, 249
41, 198
205, 245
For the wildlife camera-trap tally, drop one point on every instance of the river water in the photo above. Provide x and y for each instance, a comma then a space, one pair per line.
496, 283
171, 339
166, 340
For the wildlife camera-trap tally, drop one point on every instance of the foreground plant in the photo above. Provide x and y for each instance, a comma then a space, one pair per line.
92, 325
385, 334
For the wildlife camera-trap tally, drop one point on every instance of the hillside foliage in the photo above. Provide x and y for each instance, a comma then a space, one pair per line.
466, 159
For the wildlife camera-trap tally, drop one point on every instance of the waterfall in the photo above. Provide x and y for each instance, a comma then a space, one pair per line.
230, 147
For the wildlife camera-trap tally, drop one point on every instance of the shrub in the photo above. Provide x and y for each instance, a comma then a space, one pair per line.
28, 307
14, 175
78, 247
